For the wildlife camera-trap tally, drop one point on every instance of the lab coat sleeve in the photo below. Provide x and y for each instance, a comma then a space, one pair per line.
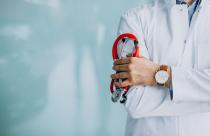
146, 101
191, 85
130, 23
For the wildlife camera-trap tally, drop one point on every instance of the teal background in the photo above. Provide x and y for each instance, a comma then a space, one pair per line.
55, 66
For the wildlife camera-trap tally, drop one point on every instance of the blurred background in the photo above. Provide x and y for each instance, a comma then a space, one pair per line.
55, 66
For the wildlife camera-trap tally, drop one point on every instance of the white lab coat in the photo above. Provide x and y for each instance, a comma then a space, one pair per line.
166, 38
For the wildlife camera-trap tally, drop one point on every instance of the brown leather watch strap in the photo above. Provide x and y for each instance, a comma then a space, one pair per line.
164, 67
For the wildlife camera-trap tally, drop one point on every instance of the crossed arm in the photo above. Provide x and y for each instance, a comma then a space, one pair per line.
137, 71
191, 87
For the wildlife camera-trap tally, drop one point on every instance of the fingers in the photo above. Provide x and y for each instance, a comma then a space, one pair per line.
122, 61
127, 60
121, 75
121, 68
129, 55
123, 84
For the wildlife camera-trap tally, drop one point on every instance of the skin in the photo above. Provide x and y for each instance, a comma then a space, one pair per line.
138, 71
189, 2
135, 71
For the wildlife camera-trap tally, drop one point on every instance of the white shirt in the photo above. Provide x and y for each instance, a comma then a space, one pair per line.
166, 38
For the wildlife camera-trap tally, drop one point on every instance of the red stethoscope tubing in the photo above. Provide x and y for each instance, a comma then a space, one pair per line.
115, 54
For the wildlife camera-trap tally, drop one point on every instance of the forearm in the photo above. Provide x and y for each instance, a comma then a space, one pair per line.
147, 101
191, 85
191, 95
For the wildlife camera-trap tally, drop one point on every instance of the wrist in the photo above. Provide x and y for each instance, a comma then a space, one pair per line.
155, 69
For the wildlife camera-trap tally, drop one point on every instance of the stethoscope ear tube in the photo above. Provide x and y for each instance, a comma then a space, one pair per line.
117, 93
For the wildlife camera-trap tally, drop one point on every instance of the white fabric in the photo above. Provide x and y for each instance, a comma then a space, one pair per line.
166, 38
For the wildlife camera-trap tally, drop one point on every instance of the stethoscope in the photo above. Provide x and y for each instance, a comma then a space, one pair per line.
126, 44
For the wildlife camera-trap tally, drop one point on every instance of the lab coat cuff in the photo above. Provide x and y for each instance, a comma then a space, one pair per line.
171, 90
171, 93
179, 78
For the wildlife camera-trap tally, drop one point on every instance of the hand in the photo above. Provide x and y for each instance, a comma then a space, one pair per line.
135, 71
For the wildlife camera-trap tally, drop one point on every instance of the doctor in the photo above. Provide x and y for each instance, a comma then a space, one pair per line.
170, 93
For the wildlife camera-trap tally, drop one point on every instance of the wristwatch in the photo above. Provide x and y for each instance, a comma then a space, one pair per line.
162, 75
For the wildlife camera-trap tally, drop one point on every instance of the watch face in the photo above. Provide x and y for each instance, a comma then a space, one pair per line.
161, 77
125, 47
